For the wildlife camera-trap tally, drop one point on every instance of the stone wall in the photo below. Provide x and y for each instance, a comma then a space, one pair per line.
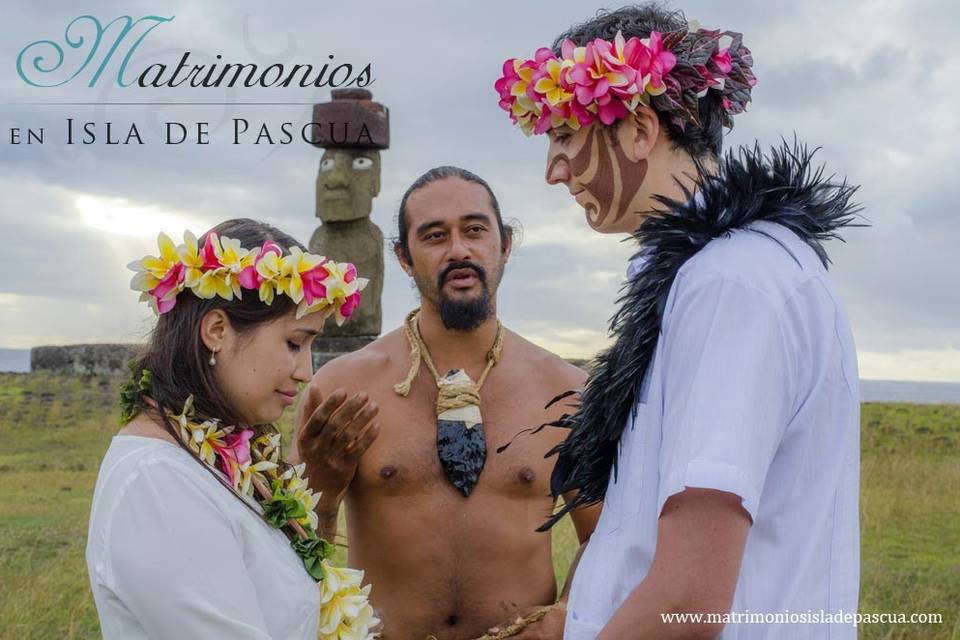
107, 359
88, 359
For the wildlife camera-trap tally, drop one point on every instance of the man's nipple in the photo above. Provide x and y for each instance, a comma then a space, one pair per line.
388, 471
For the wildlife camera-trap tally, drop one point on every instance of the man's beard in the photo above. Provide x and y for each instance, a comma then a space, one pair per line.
467, 314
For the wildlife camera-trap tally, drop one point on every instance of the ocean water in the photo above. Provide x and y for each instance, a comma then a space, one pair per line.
907, 391
15, 360
18, 360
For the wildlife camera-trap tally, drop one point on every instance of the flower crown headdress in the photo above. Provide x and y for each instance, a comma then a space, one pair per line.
607, 80
223, 268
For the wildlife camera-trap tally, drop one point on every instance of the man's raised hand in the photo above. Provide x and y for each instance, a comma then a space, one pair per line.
332, 436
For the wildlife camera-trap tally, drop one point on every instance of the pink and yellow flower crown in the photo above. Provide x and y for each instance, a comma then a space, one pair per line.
223, 268
606, 80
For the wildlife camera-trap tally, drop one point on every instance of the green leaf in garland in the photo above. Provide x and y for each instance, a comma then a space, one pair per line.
131, 391
146, 381
313, 551
282, 507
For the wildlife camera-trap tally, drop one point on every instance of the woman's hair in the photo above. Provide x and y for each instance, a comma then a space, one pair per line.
177, 357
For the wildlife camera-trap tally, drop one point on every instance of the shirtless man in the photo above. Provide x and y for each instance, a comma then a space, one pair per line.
441, 563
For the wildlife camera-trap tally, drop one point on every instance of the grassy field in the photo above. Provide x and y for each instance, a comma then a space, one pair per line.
54, 430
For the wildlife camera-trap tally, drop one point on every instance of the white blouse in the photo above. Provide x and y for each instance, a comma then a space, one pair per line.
172, 553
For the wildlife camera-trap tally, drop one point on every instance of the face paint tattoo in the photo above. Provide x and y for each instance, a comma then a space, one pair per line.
614, 180
631, 177
579, 164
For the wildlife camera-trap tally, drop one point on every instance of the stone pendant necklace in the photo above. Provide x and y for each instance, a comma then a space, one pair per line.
461, 444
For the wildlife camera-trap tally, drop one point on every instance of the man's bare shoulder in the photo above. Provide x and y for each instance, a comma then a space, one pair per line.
547, 365
357, 366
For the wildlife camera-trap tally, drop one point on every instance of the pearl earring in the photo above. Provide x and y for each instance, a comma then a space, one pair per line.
213, 358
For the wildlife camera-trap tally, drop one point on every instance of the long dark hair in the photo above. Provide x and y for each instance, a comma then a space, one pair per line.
175, 354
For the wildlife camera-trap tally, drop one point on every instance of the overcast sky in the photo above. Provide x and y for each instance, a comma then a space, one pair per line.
873, 83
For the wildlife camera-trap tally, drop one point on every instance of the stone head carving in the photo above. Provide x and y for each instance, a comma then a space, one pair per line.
352, 129
347, 183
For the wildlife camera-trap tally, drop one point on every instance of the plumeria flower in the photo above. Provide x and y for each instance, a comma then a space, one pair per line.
314, 283
297, 485
345, 611
526, 122
234, 257
234, 453
206, 438
352, 300
623, 61
577, 69
235, 260
247, 471
151, 269
164, 295
211, 252
515, 88
237, 463
539, 62
183, 419
191, 259
661, 63
360, 627
268, 450
250, 276
602, 70
214, 283
343, 289
517, 75
291, 267
269, 266
159, 278
550, 84
215, 280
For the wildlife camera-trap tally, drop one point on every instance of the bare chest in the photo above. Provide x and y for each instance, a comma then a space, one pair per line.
404, 461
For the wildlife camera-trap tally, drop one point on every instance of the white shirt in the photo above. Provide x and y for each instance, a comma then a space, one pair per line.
753, 390
172, 553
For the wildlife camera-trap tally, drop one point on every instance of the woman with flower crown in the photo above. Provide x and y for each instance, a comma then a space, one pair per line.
198, 528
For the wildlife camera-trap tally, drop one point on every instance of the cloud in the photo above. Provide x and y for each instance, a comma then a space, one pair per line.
878, 96
933, 365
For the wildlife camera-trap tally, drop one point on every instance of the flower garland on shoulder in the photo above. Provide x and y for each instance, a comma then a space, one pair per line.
254, 469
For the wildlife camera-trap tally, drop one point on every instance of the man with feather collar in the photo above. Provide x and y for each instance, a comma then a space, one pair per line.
721, 430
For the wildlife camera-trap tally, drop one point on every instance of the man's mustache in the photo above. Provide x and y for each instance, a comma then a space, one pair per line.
453, 266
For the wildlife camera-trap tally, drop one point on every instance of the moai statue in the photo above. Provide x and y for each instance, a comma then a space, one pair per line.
352, 129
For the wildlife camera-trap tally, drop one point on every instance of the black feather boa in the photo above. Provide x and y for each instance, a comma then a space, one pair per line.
781, 187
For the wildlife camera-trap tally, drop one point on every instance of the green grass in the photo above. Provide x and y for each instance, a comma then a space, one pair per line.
55, 428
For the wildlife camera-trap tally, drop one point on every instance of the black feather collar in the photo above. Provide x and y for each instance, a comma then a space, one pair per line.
781, 187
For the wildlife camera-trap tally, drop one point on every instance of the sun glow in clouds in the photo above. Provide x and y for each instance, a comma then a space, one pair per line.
121, 217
